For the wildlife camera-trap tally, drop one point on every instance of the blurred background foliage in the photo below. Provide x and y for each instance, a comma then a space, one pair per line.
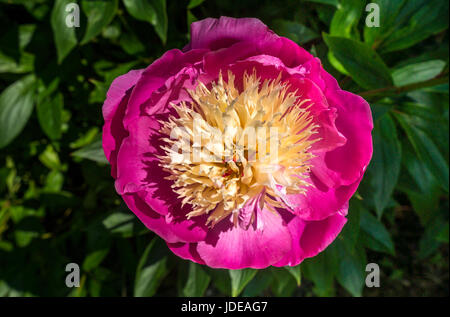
57, 199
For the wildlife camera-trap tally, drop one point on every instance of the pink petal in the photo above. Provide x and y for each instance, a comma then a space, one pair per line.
219, 33
347, 164
261, 245
186, 251
138, 171
310, 237
318, 235
113, 110
278, 51
157, 223
155, 77
320, 201
117, 91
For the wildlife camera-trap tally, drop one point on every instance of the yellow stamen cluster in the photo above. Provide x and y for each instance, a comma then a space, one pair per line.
229, 148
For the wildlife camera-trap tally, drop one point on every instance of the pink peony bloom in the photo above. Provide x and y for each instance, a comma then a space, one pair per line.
242, 209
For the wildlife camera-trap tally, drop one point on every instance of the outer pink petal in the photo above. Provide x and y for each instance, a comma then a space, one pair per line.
311, 237
138, 171
347, 164
117, 91
186, 251
319, 234
284, 52
149, 218
320, 201
264, 243
170, 232
295, 226
219, 33
113, 110
154, 77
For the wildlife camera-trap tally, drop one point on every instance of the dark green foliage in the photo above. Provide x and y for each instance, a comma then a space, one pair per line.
57, 199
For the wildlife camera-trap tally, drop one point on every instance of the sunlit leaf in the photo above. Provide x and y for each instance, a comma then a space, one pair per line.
362, 63
376, 232
64, 36
99, 14
151, 270
384, 168
152, 11
93, 152
16, 105
239, 279
197, 281
416, 73
346, 18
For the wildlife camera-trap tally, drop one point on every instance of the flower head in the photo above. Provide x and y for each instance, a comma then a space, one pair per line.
240, 150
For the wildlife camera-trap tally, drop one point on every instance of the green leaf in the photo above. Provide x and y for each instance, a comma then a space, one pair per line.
221, 280
131, 44
283, 285
85, 139
54, 181
430, 240
295, 272
295, 31
9, 42
37, 9
442, 235
194, 3
93, 152
351, 272
123, 224
151, 270
376, 232
430, 19
190, 18
197, 282
49, 113
329, 2
13, 57
259, 284
389, 10
384, 168
112, 31
336, 64
152, 11
98, 246
426, 150
141, 10
321, 270
360, 61
418, 72
99, 14
64, 36
10, 65
16, 105
325, 13
26, 230
350, 233
421, 186
379, 110
50, 158
161, 19
346, 18
239, 279
4, 289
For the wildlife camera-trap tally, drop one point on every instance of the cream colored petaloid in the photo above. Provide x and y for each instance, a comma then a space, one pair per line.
231, 148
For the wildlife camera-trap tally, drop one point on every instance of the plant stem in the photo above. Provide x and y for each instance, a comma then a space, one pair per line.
392, 90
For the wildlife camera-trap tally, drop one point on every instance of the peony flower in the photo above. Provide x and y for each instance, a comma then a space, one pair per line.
180, 138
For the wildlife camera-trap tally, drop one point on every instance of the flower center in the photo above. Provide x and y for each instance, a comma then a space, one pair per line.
230, 151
